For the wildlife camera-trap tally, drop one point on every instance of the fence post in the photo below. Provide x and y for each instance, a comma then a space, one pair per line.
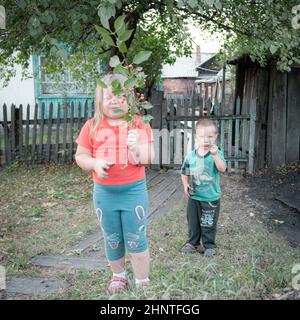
7, 141
223, 87
19, 139
156, 123
252, 136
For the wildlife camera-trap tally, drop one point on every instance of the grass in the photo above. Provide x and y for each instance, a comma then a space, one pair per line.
44, 209
51, 210
252, 263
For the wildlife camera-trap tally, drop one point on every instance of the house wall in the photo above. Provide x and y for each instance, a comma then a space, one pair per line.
18, 91
178, 86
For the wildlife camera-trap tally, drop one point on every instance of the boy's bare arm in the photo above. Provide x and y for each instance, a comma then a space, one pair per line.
221, 166
185, 182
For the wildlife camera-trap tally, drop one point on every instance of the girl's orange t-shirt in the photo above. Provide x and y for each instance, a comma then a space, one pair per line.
111, 145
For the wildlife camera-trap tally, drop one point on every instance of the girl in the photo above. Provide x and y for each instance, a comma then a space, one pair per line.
116, 157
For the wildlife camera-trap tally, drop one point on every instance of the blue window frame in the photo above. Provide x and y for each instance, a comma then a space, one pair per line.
58, 89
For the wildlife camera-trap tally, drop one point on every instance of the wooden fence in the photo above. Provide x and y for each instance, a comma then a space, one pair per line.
43, 137
47, 137
178, 116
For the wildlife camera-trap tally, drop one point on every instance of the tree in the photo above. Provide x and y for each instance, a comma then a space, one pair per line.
264, 29
65, 33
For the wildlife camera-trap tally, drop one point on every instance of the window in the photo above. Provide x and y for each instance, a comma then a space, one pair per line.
60, 84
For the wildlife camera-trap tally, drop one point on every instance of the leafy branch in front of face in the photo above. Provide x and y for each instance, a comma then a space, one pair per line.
135, 78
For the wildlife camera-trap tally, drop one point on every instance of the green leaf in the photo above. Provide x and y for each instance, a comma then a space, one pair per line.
129, 83
218, 4
118, 92
209, 2
53, 42
124, 35
127, 117
119, 4
114, 61
134, 110
101, 84
53, 51
22, 4
193, 3
119, 111
119, 69
109, 41
102, 31
141, 57
122, 47
180, 4
273, 48
46, 17
110, 11
34, 22
116, 84
104, 21
120, 23
147, 118
147, 106
63, 54
105, 12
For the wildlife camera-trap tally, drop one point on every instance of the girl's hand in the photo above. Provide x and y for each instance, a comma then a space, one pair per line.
187, 189
101, 167
214, 149
133, 140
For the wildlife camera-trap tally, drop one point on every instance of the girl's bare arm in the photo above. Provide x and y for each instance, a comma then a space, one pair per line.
84, 159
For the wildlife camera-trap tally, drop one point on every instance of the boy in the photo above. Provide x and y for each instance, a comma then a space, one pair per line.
200, 175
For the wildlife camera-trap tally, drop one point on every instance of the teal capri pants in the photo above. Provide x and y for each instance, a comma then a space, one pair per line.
122, 213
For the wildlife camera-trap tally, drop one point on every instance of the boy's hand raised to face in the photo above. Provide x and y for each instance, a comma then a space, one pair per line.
214, 149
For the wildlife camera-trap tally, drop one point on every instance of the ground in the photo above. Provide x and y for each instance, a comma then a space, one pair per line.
46, 213
279, 191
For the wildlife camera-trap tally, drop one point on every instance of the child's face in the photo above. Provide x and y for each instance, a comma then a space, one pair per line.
112, 104
206, 137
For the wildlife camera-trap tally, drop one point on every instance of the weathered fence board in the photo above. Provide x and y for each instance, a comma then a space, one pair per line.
27, 133
46, 137
293, 128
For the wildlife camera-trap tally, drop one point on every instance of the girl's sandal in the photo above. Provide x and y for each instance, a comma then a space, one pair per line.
143, 285
117, 284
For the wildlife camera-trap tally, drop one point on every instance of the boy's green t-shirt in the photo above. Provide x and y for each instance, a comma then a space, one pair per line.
204, 175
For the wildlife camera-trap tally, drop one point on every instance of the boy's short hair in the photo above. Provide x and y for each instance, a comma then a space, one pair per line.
205, 122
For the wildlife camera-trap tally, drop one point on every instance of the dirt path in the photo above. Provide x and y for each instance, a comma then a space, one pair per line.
279, 192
